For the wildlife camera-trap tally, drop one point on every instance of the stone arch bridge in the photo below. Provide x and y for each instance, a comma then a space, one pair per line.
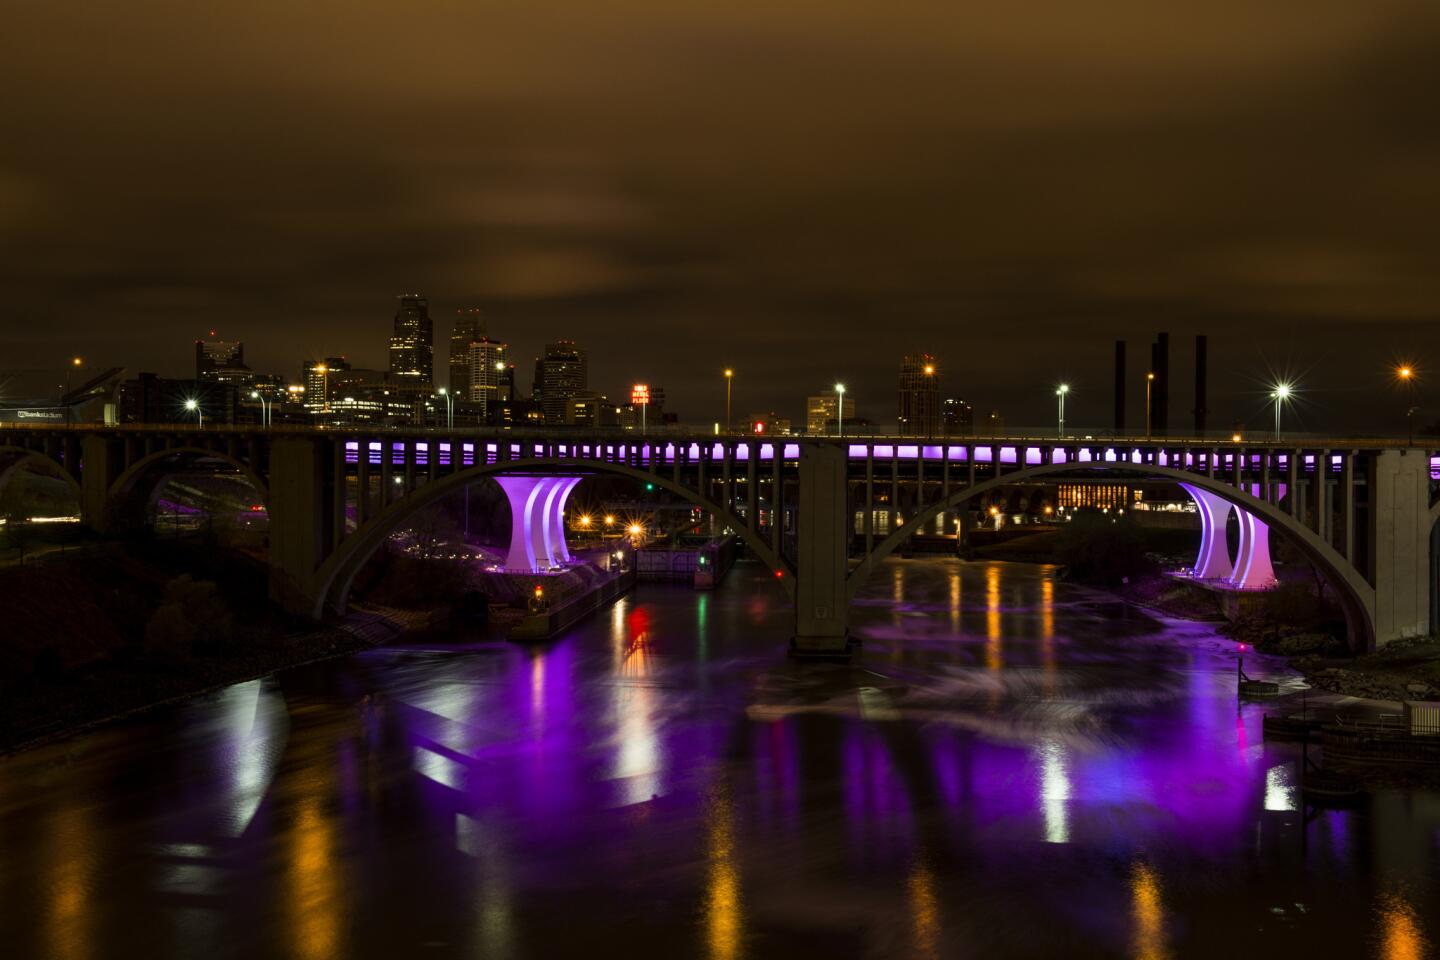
1362, 511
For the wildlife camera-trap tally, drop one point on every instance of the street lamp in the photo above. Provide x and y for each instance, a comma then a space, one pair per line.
840, 409
449, 408
264, 407
193, 405
1280, 395
729, 376
1149, 382
1060, 392
75, 363
1406, 375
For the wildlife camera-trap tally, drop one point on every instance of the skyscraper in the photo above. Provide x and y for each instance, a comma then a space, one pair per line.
559, 375
469, 327
220, 361
919, 414
318, 376
957, 417
484, 368
412, 345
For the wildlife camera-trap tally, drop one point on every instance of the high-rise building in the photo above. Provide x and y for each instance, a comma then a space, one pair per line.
318, 376
220, 361
486, 366
957, 417
919, 414
412, 345
559, 376
823, 412
469, 327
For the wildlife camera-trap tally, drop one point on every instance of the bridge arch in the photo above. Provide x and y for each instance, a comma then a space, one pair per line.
332, 582
118, 497
1357, 596
15, 459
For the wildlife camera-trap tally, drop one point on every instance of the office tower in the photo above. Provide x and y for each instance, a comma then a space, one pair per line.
559, 376
919, 396
412, 345
957, 417
220, 361
317, 375
485, 367
469, 328
823, 412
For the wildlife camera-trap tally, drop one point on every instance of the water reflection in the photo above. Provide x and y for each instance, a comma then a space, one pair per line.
1032, 755
724, 909
1400, 935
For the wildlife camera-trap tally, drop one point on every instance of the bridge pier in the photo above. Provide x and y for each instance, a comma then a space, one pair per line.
300, 519
1399, 552
103, 461
821, 601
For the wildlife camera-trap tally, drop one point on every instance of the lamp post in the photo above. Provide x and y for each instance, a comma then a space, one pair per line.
840, 409
1149, 382
729, 376
1060, 392
264, 407
75, 363
1280, 395
1406, 374
193, 406
449, 408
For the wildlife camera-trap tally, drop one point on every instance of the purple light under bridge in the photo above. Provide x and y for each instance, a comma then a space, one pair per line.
537, 521
1251, 568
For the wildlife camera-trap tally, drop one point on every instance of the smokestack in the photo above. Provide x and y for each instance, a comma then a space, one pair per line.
1120, 387
1201, 373
1162, 384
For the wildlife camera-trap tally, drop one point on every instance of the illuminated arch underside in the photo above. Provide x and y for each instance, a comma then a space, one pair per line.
537, 521
1251, 568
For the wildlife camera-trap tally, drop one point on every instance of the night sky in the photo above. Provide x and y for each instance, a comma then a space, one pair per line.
801, 189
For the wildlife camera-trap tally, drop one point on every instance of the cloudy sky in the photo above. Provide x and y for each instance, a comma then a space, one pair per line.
801, 189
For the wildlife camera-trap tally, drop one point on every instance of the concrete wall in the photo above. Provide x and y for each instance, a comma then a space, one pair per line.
821, 601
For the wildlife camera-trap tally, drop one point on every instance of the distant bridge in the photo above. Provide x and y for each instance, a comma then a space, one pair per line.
1361, 511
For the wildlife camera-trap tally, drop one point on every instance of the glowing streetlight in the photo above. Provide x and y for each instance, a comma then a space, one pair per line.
609, 520
193, 406
1406, 375
264, 407
635, 529
75, 363
449, 407
1149, 382
584, 519
840, 409
729, 377
1281, 394
1060, 393
929, 369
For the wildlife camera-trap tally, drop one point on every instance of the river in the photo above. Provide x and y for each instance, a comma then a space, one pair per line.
1012, 766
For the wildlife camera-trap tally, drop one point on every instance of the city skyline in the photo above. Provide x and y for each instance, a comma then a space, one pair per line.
773, 219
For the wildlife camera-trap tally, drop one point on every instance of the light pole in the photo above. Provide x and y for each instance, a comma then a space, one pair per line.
1060, 392
193, 406
264, 407
75, 363
449, 408
729, 376
1281, 394
840, 409
1149, 382
1407, 376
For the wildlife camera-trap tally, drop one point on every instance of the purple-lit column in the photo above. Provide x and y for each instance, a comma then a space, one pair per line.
537, 521
1213, 560
1253, 570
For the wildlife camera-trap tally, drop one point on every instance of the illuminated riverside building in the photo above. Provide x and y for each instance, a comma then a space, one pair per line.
1096, 496
919, 413
412, 345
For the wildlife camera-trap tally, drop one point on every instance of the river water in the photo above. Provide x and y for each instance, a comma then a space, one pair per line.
1012, 767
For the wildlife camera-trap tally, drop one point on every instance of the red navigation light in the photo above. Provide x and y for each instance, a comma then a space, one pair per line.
539, 590
779, 574
759, 426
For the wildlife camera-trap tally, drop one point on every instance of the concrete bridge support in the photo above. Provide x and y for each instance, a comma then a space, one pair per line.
821, 564
1400, 544
103, 460
300, 519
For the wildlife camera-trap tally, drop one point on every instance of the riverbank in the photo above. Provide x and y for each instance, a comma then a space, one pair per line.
124, 628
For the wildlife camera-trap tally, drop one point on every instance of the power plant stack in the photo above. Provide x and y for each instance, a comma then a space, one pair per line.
1201, 373
1120, 388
